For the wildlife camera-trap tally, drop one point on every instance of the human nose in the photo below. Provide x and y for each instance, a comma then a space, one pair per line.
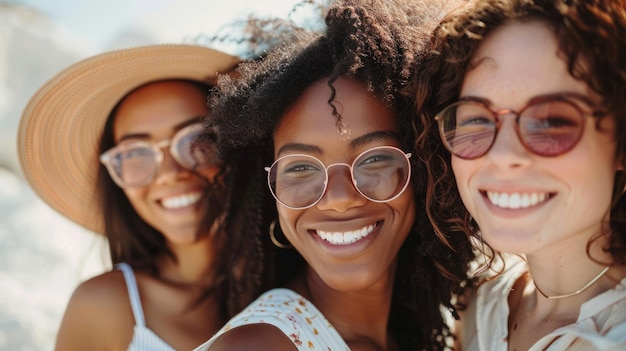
507, 150
169, 169
340, 193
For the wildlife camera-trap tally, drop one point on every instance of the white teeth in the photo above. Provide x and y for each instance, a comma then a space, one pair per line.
338, 238
181, 201
516, 200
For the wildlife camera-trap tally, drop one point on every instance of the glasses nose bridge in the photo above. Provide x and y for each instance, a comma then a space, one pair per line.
339, 164
163, 145
504, 112
351, 175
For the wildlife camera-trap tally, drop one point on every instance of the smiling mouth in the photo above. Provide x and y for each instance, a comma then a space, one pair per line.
516, 200
346, 238
181, 201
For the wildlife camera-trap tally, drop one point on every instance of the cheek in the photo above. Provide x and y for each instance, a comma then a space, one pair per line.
591, 183
461, 171
592, 166
409, 213
135, 197
287, 219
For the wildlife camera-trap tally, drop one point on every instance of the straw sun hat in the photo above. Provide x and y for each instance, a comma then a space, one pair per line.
60, 130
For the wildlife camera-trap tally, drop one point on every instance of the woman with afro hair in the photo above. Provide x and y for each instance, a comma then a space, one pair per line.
329, 121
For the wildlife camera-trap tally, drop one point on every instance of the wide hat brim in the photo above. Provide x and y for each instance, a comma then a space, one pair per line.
61, 126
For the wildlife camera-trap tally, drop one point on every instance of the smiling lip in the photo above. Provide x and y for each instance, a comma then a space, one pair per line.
180, 201
346, 238
517, 200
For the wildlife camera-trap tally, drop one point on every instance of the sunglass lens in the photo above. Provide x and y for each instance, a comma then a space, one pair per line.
133, 165
551, 128
468, 129
297, 181
193, 150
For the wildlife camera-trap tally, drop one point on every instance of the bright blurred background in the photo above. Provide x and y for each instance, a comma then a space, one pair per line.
43, 256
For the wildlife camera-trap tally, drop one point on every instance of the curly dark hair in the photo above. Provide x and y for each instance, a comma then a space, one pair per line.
378, 43
594, 54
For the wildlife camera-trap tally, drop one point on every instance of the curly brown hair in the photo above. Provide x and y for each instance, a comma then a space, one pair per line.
378, 43
586, 33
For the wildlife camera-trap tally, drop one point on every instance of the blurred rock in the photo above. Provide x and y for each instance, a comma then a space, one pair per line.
43, 256
32, 50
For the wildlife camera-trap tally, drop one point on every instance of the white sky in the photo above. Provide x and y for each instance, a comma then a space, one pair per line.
43, 256
97, 22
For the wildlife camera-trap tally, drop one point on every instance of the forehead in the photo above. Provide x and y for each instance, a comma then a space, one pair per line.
310, 119
518, 61
159, 107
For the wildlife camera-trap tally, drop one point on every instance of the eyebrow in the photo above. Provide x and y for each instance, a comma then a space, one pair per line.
176, 128
533, 99
382, 135
298, 147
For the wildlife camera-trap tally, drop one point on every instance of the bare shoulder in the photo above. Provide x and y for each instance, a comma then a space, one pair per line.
106, 293
98, 315
258, 337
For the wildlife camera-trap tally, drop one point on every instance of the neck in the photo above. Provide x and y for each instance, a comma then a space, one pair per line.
194, 264
574, 293
568, 270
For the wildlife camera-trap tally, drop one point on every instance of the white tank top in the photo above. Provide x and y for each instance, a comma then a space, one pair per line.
144, 339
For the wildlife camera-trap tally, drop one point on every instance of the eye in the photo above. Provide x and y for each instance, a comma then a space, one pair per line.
135, 152
555, 122
469, 114
372, 160
474, 121
552, 116
473, 117
379, 159
299, 169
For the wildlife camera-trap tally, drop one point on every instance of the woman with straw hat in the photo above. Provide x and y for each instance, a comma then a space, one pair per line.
109, 142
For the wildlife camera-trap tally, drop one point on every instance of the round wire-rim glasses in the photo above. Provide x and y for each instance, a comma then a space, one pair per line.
377, 165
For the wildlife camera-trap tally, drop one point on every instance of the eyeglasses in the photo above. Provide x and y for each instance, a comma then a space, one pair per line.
548, 125
379, 174
135, 163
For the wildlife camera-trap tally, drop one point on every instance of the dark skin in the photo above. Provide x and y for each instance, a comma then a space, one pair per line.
375, 43
351, 285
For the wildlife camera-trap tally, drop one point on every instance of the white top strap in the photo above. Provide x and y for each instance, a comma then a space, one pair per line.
133, 292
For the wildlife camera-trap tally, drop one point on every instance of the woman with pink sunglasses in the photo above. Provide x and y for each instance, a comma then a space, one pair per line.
530, 102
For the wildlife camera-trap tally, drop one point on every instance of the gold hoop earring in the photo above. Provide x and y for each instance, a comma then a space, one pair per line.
275, 241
